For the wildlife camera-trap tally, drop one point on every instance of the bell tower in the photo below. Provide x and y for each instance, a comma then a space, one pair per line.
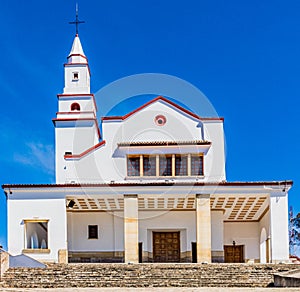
77, 71
76, 126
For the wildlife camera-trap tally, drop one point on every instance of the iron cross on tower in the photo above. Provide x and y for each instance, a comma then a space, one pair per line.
77, 21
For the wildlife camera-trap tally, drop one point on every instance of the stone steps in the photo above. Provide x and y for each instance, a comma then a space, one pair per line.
145, 275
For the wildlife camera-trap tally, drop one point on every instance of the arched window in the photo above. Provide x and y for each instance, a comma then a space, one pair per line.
75, 106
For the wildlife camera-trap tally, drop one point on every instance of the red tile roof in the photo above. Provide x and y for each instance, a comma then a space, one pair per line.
165, 100
160, 183
163, 143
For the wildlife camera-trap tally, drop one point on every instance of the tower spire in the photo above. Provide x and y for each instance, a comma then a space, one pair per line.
77, 21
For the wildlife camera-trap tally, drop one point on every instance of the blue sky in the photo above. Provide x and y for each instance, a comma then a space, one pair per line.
243, 55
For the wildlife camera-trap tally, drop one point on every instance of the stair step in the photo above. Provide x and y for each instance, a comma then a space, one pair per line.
144, 275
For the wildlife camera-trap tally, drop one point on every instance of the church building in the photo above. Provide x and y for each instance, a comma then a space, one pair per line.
150, 186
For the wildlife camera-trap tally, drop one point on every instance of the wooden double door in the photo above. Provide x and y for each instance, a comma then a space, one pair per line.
166, 247
234, 253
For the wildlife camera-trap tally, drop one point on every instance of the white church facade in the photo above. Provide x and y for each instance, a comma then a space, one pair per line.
151, 187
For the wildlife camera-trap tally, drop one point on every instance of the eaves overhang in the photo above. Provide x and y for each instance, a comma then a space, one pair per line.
267, 185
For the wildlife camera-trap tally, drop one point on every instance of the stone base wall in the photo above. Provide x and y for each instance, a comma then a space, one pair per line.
185, 257
96, 257
287, 279
217, 256
4, 262
118, 257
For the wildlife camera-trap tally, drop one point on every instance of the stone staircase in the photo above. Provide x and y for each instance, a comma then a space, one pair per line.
145, 275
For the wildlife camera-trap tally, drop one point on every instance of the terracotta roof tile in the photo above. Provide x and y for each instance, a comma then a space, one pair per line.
158, 183
163, 143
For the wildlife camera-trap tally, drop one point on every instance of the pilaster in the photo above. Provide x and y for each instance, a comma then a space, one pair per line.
279, 227
203, 228
131, 236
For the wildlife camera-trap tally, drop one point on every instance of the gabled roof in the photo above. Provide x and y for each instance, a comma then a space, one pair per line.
158, 98
163, 143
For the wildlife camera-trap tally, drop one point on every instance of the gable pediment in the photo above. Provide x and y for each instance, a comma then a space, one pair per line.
158, 120
163, 102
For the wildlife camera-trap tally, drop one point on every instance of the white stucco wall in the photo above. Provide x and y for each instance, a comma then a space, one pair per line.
34, 209
214, 167
82, 85
142, 127
265, 223
69, 138
279, 227
243, 233
108, 163
78, 231
110, 231
265, 235
217, 231
86, 103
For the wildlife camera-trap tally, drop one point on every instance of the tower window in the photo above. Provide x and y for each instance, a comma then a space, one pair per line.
75, 106
75, 75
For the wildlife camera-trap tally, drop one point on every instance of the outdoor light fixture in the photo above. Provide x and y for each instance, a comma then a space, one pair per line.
71, 204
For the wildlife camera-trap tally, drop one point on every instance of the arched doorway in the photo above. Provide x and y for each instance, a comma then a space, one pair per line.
263, 246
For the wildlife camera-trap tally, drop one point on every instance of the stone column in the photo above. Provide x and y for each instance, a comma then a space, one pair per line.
203, 228
131, 236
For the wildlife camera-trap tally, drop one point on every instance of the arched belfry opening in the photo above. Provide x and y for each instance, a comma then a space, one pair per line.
75, 106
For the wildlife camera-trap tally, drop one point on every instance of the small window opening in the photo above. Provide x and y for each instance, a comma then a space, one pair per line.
133, 166
75, 76
75, 107
160, 120
93, 231
36, 235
